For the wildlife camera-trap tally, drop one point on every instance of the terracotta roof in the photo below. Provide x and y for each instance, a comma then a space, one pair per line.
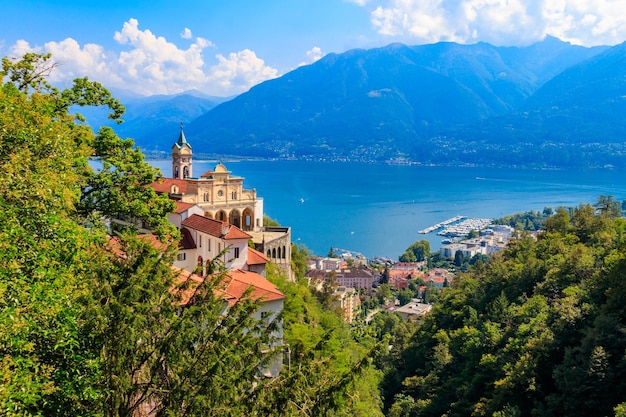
208, 174
237, 282
256, 258
154, 241
186, 241
182, 207
185, 292
164, 185
215, 228
234, 287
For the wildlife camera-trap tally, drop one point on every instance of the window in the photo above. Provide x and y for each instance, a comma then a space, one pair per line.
200, 268
205, 197
199, 241
182, 257
208, 244
220, 193
283, 252
236, 253
233, 195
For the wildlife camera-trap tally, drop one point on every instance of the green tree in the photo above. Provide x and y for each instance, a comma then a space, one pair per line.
608, 206
404, 296
416, 252
407, 256
459, 258
269, 222
299, 259
95, 326
537, 330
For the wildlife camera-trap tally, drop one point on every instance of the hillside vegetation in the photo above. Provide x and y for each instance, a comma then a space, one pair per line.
91, 328
537, 330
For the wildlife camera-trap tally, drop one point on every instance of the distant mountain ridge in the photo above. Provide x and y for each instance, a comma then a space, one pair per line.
153, 121
443, 103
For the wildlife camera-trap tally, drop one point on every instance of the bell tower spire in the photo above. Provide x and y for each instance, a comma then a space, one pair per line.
181, 156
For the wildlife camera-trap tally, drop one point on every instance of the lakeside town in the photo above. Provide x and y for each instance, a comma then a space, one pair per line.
215, 213
144, 295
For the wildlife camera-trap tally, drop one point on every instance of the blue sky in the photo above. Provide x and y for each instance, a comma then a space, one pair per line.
224, 47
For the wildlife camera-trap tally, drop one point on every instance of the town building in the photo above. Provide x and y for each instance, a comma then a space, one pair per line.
484, 245
359, 279
412, 310
348, 301
220, 196
439, 277
217, 218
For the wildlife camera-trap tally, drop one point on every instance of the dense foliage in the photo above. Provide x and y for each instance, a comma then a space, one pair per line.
94, 326
530, 220
538, 330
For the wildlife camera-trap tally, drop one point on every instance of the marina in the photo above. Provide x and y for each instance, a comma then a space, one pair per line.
462, 229
440, 225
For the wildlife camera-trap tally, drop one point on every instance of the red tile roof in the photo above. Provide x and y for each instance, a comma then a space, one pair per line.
256, 258
237, 282
164, 185
235, 286
182, 207
215, 228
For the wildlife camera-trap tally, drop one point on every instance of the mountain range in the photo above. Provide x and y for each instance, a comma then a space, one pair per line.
549, 104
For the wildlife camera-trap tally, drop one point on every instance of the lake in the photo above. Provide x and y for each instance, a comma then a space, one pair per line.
377, 209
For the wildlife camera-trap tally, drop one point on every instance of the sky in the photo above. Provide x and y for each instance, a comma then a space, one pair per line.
224, 47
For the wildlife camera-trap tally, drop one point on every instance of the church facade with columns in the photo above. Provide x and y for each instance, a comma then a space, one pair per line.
219, 195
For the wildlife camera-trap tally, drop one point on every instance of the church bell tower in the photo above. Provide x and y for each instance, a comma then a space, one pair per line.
181, 157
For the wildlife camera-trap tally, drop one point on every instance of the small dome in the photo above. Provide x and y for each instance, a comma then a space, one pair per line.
220, 168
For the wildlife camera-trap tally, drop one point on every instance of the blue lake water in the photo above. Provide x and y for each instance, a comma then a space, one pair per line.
377, 209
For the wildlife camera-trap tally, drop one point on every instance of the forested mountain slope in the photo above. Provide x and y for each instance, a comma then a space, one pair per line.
538, 330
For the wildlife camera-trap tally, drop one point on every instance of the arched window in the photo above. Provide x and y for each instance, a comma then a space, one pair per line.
208, 267
205, 197
279, 252
176, 173
185, 172
274, 253
174, 189
269, 254
200, 269
284, 256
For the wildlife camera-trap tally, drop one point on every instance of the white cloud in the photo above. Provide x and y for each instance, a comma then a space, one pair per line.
501, 22
186, 34
240, 71
149, 64
312, 55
